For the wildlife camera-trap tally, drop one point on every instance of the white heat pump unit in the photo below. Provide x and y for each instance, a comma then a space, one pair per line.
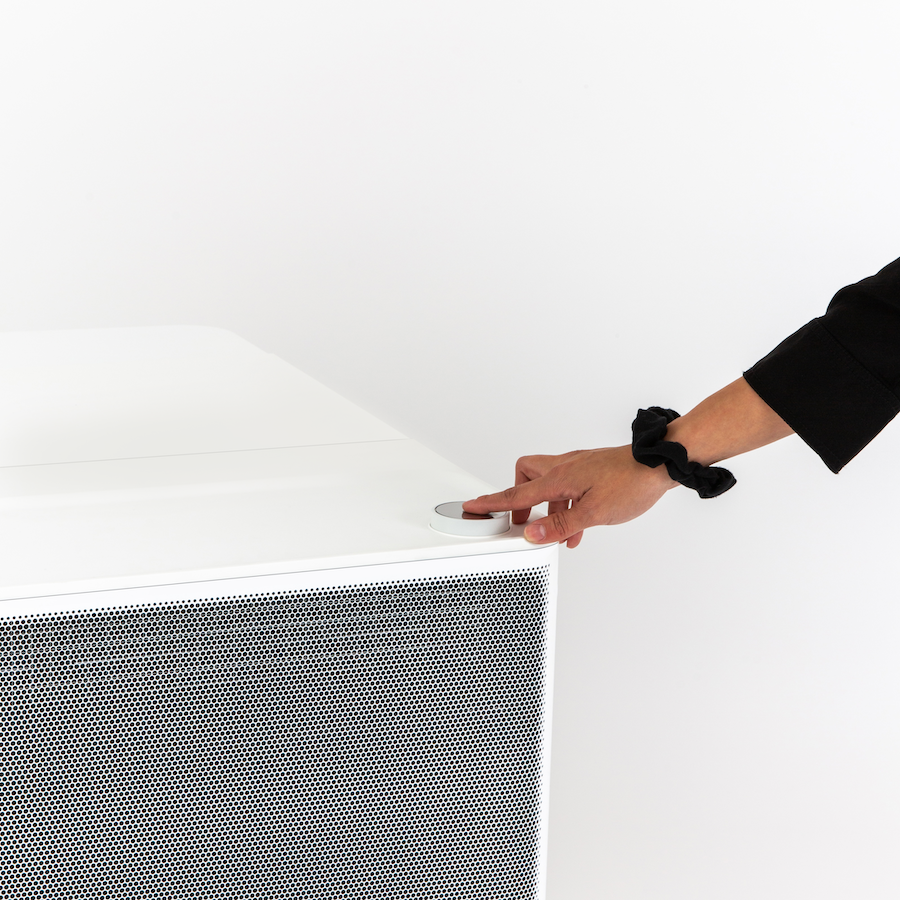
240, 655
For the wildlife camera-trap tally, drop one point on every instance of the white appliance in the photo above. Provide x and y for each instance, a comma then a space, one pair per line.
236, 659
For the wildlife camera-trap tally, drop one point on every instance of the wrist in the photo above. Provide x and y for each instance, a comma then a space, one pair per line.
689, 434
653, 445
657, 477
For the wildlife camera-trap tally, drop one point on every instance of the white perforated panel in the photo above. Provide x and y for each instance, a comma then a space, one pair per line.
378, 740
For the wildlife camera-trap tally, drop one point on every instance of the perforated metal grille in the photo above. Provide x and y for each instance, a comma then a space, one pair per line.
380, 741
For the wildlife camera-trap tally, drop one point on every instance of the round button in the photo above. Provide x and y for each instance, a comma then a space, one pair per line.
451, 518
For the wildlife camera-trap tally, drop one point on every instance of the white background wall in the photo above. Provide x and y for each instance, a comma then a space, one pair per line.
503, 227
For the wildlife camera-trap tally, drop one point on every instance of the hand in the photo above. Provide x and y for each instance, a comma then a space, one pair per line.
604, 487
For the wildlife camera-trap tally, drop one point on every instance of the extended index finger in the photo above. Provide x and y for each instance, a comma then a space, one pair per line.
499, 502
518, 499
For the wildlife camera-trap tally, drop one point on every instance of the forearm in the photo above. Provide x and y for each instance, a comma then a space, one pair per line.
732, 421
608, 486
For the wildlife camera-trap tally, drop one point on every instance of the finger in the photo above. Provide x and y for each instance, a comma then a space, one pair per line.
525, 472
559, 526
521, 516
575, 540
520, 497
557, 506
528, 468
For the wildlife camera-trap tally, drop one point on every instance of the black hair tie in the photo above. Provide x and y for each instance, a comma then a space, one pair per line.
649, 448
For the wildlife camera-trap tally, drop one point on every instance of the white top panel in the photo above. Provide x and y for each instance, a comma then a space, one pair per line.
152, 521
118, 393
140, 457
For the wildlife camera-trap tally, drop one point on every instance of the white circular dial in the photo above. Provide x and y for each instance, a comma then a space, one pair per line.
451, 518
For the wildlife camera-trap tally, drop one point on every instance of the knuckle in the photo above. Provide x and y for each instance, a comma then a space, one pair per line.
534, 462
561, 486
509, 498
560, 523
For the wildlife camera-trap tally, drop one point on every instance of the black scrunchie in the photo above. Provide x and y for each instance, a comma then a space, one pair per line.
649, 448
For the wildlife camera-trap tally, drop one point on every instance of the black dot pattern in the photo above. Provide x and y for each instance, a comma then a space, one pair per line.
373, 741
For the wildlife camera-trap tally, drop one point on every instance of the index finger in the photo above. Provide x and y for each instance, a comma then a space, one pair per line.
519, 499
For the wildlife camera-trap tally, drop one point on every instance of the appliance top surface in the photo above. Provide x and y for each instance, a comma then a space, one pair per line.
119, 393
140, 456
160, 520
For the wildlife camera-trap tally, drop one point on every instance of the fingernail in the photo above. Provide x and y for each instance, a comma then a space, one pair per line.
535, 533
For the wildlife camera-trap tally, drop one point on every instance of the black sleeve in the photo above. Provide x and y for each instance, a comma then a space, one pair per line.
836, 381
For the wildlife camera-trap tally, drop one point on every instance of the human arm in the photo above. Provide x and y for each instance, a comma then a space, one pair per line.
608, 487
835, 382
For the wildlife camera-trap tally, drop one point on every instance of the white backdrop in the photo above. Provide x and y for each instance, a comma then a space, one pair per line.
503, 227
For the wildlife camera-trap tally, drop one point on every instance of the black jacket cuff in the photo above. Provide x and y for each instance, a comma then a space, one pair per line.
832, 401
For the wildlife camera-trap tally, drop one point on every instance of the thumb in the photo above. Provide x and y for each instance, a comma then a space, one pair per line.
558, 526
